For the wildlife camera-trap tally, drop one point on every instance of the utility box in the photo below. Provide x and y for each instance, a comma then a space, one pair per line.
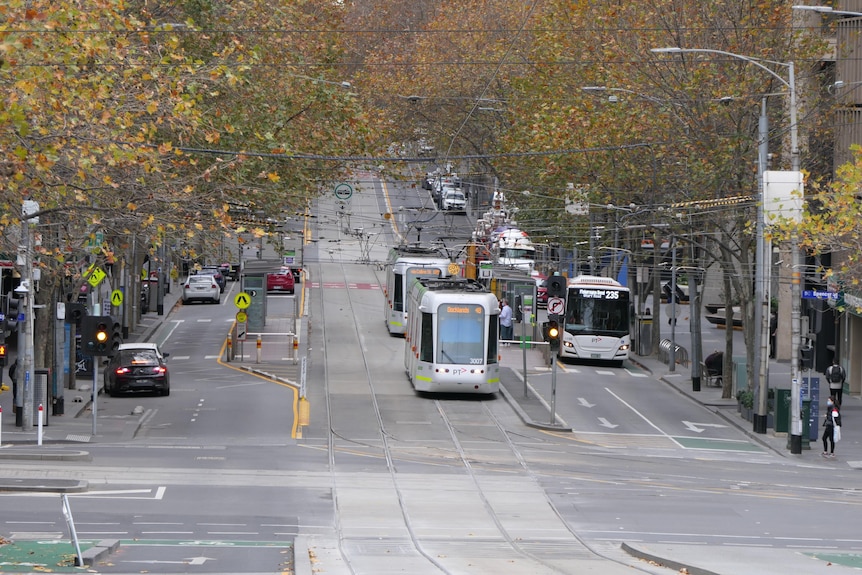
782, 410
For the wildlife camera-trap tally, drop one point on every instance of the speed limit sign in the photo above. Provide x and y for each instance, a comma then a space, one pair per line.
556, 306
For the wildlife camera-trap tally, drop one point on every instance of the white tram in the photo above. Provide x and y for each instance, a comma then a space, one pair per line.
451, 339
405, 264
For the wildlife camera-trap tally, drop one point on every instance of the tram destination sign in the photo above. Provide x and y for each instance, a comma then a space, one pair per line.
598, 293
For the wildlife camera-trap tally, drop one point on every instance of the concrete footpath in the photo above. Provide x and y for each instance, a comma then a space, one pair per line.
66, 437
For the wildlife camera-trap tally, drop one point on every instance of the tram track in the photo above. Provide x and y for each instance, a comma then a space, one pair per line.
511, 539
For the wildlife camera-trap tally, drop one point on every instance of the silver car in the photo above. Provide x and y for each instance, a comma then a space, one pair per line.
201, 287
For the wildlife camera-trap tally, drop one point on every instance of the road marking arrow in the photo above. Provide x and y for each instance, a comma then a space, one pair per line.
699, 427
585, 403
605, 423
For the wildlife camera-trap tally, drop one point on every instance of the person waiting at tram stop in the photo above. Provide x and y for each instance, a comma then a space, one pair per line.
506, 328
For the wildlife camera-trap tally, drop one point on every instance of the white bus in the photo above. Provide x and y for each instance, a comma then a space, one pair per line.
596, 321
452, 337
403, 266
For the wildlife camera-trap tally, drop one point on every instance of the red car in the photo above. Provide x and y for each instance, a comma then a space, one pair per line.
281, 281
541, 292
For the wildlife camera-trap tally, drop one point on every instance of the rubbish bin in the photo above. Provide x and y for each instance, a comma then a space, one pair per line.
782, 410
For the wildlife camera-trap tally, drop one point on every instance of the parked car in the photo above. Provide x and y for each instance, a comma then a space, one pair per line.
281, 281
454, 201
215, 272
137, 369
201, 287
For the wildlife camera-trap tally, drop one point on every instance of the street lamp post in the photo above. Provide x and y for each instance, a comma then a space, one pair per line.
795, 294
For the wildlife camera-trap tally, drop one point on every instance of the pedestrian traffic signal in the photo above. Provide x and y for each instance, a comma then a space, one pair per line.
96, 335
2, 354
551, 332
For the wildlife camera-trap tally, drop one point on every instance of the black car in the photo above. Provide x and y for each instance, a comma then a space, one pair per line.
133, 370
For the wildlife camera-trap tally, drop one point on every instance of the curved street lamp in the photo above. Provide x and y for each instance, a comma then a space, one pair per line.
796, 295
827, 10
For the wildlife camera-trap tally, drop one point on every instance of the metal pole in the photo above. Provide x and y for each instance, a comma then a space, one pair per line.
592, 247
524, 346
95, 390
795, 290
553, 389
28, 364
672, 306
761, 286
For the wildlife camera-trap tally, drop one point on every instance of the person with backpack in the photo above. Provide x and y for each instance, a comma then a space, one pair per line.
835, 376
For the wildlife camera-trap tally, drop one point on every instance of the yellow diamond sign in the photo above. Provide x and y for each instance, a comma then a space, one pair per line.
97, 276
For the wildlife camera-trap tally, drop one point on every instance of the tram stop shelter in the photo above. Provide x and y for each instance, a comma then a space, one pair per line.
253, 283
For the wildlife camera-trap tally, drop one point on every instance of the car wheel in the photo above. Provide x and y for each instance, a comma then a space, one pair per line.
166, 392
111, 391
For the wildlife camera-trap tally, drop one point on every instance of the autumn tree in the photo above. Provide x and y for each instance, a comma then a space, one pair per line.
133, 128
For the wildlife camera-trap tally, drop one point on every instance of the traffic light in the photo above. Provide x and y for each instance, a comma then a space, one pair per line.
116, 336
13, 310
551, 332
96, 335
556, 285
2, 354
806, 357
75, 312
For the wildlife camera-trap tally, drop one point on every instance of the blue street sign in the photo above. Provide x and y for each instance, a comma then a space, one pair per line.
819, 294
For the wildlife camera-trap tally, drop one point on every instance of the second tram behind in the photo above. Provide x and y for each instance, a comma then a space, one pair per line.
405, 264
452, 337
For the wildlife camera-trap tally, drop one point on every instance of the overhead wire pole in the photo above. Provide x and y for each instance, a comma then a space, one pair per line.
795, 283
27, 370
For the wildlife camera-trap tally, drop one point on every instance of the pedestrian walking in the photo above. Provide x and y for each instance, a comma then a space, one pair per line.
506, 322
835, 376
831, 427
13, 375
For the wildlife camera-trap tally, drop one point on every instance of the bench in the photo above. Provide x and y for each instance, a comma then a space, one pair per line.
711, 377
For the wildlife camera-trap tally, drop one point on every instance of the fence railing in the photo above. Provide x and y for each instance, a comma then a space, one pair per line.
680, 353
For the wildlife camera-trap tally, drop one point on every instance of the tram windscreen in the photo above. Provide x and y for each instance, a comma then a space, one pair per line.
461, 334
598, 311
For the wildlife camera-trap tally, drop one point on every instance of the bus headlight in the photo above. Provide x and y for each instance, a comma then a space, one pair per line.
624, 347
568, 344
